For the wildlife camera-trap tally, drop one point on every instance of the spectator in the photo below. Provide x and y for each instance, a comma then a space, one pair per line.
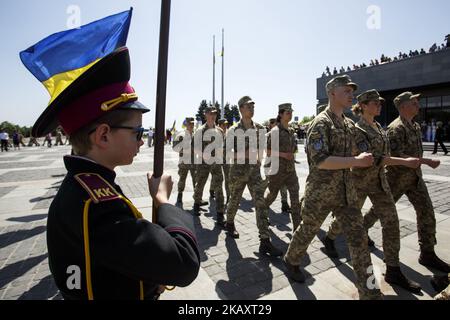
335, 72
48, 139
16, 141
439, 138
4, 139
150, 137
348, 69
422, 51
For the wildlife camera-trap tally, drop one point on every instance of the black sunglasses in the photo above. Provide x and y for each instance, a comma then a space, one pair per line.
138, 130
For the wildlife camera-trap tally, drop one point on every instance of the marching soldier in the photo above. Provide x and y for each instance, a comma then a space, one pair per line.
248, 174
283, 190
223, 124
58, 137
202, 170
182, 143
284, 174
329, 187
405, 140
372, 183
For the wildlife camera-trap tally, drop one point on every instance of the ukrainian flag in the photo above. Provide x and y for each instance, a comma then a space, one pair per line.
58, 60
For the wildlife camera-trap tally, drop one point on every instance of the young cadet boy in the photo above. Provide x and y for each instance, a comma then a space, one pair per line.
99, 245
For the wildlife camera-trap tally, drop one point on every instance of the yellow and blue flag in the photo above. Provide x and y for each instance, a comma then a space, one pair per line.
58, 60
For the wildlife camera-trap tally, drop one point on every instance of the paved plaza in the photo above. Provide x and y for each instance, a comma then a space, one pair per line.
230, 268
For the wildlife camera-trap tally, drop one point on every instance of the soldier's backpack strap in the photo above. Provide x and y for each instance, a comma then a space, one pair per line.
99, 190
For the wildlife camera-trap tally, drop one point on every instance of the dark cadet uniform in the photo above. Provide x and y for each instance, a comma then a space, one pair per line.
333, 191
92, 225
284, 173
99, 245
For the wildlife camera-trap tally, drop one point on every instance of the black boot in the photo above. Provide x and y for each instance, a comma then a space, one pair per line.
395, 276
266, 246
220, 219
203, 203
180, 198
430, 259
211, 194
196, 209
370, 242
285, 207
294, 272
330, 249
231, 229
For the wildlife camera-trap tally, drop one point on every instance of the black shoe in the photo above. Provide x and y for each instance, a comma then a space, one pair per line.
203, 203
439, 283
220, 219
285, 207
211, 194
430, 259
231, 229
370, 242
294, 272
196, 209
330, 249
180, 198
266, 246
433, 152
395, 276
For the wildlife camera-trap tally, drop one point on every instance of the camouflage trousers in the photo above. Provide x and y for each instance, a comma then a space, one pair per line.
283, 193
384, 209
242, 175
289, 181
416, 191
226, 172
314, 211
183, 170
201, 176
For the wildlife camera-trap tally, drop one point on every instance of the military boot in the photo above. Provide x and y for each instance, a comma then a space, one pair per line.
285, 207
395, 276
430, 259
231, 229
265, 246
203, 203
220, 219
196, 209
330, 249
294, 272
180, 198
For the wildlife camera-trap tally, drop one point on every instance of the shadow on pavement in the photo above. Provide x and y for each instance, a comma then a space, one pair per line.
32, 217
16, 270
9, 238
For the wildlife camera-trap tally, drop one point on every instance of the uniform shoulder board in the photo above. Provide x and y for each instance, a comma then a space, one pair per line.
99, 189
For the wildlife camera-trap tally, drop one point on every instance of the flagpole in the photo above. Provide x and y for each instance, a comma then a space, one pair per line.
161, 89
223, 58
214, 72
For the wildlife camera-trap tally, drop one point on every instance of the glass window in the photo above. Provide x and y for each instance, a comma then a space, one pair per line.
423, 103
434, 102
446, 101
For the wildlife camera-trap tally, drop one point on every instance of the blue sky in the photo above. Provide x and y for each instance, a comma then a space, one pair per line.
274, 49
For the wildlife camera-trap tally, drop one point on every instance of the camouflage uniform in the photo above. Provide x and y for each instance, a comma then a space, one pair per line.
202, 171
406, 141
185, 168
333, 190
286, 175
372, 183
225, 165
249, 175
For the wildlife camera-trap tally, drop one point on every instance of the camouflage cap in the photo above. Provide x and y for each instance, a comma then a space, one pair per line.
405, 97
369, 95
210, 109
340, 81
272, 120
223, 121
285, 107
189, 120
245, 100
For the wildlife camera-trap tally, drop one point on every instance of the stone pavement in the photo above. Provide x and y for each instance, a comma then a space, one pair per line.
230, 268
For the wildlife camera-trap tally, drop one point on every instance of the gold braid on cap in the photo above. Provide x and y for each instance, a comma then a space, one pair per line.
124, 97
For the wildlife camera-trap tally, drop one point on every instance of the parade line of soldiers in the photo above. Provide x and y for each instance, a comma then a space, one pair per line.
348, 162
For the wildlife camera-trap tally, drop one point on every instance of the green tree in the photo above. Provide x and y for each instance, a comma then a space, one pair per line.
307, 119
230, 112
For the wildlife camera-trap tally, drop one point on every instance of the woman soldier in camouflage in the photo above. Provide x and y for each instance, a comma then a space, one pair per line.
372, 183
284, 174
